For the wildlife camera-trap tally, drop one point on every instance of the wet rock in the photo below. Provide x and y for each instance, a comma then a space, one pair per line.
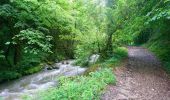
67, 62
55, 67
49, 68
62, 62
52, 67
31, 84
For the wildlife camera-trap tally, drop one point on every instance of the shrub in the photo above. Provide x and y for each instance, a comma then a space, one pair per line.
8, 75
159, 45
80, 87
92, 68
121, 52
167, 67
81, 62
33, 70
112, 62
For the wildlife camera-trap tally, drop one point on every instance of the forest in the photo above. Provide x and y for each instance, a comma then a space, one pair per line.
34, 33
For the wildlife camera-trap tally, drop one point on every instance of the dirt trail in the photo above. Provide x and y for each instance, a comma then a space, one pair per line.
141, 78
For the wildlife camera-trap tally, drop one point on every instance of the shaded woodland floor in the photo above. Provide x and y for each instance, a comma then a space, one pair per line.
140, 78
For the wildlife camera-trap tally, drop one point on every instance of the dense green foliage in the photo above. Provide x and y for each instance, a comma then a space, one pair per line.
136, 22
160, 46
35, 31
81, 87
88, 86
159, 41
120, 54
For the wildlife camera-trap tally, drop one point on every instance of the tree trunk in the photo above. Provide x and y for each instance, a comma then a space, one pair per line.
17, 54
108, 51
6, 55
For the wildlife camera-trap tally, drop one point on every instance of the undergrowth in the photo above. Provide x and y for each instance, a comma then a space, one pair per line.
159, 45
88, 86
79, 88
119, 55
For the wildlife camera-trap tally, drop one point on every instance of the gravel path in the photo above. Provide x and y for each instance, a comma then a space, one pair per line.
141, 78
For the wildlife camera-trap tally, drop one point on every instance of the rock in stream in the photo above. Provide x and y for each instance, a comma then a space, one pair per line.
13, 90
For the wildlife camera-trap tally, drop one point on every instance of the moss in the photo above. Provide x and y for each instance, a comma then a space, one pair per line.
33, 70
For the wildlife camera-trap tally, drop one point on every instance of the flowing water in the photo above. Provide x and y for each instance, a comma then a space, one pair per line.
14, 90
93, 58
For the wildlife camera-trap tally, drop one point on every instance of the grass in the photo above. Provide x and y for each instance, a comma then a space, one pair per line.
120, 54
88, 86
79, 88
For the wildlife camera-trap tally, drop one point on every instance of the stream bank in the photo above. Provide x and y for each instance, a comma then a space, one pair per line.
45, 79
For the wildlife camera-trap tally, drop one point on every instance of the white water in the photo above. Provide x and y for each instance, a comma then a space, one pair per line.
14, 90
93, 58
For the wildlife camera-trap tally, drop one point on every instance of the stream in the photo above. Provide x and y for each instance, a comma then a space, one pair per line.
45, 79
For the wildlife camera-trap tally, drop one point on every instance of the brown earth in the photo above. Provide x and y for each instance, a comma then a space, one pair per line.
140, 78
